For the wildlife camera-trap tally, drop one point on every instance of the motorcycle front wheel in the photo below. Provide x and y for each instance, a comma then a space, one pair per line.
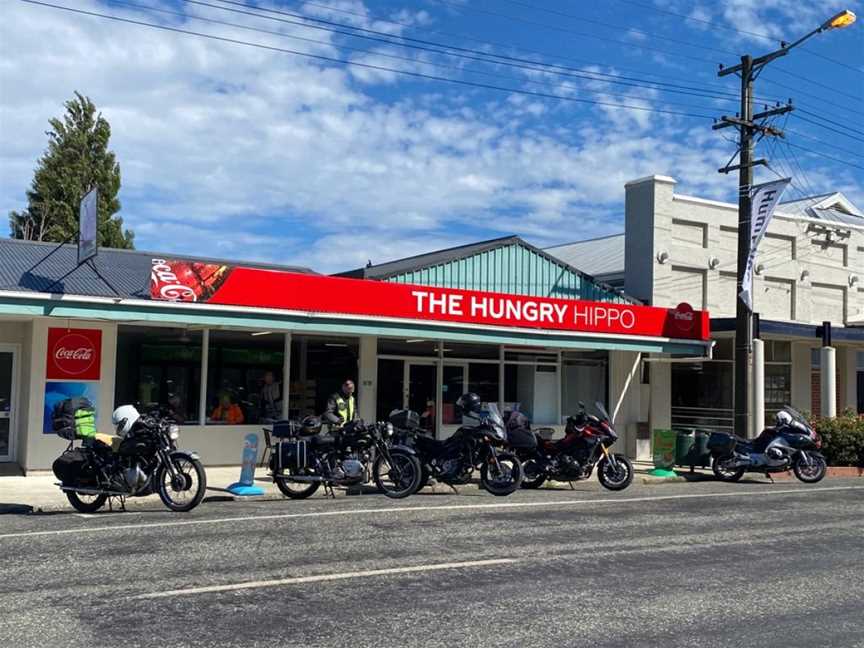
84, 503
723, 472
504, 480
615, 477
399, 476
533, 475
812, 473
185, 490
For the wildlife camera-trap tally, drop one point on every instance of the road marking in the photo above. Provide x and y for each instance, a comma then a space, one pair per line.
325, 577
445, 507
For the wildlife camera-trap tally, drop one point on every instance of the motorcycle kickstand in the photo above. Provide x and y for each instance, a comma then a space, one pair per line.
572, 487
329, 487
768, 475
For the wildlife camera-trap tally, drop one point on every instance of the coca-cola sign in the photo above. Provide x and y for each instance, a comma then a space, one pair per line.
73, 353
185, 281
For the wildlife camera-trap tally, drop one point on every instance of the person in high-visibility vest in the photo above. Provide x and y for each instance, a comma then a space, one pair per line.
342, 406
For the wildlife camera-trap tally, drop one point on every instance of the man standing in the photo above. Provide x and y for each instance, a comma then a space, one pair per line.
341, 406
271, 398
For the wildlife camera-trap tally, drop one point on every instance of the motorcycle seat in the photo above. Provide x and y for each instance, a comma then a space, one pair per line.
322, 441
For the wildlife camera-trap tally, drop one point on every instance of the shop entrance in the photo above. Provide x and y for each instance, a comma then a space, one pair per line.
419, 393
7, 401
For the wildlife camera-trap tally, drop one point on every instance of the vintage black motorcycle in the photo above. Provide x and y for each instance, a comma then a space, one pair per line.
141, 459
791, 443
586, 443
452, 461
304, 459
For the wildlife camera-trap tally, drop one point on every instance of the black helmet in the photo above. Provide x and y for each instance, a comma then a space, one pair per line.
468, 404
310, 426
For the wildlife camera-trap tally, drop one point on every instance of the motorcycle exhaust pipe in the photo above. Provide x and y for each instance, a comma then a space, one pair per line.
92, 491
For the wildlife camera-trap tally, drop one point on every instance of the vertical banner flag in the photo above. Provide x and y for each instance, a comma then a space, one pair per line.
763, 200
87, 222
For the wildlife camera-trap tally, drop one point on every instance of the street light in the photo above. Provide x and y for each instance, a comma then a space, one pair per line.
748, 124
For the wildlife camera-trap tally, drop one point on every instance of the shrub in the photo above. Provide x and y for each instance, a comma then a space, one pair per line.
842, 439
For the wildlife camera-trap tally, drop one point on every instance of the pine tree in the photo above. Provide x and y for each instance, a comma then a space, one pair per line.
77, 159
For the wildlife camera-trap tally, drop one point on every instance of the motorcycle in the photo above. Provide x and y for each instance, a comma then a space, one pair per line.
142, 459
452, 461
351, 455
586, 443
791, 443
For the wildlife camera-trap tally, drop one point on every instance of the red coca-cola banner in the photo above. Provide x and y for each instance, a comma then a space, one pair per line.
74, 354
185, 281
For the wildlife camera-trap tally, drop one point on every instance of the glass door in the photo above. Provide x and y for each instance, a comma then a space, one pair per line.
453, 385
7, 404
420, 392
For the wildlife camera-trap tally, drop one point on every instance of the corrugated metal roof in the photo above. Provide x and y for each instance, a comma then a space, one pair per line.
599, 256
831, 207
34, 266
507, 264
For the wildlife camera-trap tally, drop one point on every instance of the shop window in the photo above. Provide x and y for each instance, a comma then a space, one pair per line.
483, 380
584, 379
702, 395
244, 378
532, 390
452, 387
407, 347
319, 366
778, 377
530, 355
472, 351
724, 349
159, 367
391, 384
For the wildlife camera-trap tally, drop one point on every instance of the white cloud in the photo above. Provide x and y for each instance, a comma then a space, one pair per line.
244, 152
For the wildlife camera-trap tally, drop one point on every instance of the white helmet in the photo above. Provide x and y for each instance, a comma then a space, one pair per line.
783, 418
123, 418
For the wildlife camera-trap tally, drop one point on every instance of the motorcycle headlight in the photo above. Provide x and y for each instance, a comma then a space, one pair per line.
388, 429
173, 432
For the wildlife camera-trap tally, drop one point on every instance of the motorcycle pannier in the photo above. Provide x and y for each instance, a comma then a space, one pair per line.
74, 418
291, 455
720, 442
519, 434
405, 419
69, 466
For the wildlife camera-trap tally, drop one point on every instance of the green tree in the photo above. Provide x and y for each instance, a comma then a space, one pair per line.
77, 159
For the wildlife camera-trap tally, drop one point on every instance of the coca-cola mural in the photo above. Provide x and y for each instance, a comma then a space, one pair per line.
73, 354
185, 281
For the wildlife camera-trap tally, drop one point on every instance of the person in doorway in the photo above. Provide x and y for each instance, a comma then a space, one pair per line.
427, 418
227, 412
271, 397
342, 406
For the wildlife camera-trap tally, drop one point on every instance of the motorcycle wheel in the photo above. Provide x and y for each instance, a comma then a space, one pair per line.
813, 473
398, 478
507, 481
723, 473
86, 503
615, 477
533, 475
184, 492
295, 490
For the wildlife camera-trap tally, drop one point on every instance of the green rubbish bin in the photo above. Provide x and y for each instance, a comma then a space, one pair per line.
684, 442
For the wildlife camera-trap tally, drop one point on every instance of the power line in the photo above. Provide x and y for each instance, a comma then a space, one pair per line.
374, 52
733, 29
825, 155
815, 122
824, 143
330, 59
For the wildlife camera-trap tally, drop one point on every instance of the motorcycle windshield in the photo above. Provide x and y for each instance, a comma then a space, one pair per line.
604, 415
796, 415
494, 418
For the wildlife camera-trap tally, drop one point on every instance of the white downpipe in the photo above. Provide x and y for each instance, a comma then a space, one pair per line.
828, 357
634, 370
758, 387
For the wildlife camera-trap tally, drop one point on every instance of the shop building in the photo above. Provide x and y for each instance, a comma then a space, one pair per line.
808, 271
226, 346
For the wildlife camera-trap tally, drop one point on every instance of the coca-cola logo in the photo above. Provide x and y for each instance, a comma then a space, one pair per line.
166, 285
74, 354
684, 317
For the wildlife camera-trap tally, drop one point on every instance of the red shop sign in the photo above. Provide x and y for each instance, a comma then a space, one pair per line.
186, 281
74, 353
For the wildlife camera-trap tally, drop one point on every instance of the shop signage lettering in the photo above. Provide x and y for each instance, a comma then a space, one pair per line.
317, 294
73, 353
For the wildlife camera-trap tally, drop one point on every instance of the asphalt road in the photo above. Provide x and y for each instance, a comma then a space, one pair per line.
693, 564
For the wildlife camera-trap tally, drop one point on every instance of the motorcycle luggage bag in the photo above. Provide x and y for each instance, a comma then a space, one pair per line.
69, 466
292, 455
721, 443
519, 434
286, 429
74, 418
405, 419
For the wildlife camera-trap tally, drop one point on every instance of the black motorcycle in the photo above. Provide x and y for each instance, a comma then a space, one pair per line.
586, 442
144, 460
791, 443
453, 460
355, 454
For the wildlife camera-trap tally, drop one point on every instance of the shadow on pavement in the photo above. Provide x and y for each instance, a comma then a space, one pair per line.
15, 509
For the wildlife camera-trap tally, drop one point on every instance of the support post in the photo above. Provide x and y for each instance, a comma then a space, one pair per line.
758, 388
828, 367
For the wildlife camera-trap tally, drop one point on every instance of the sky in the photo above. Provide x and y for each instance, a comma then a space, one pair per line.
343, 150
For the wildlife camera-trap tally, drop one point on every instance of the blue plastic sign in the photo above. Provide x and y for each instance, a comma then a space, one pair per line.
246, 485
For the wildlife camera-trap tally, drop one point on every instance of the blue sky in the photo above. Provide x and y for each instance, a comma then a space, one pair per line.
253, 153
